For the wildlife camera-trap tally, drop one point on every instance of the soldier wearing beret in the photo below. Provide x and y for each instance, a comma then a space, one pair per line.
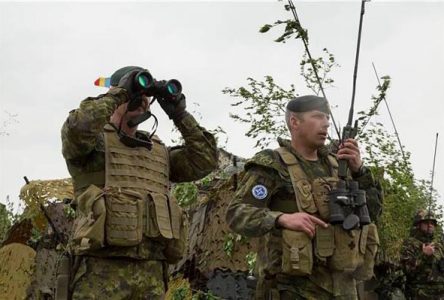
128, 227
283, 200
422, 259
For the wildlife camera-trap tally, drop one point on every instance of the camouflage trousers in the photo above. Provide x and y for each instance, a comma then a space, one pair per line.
112, 278
295, 288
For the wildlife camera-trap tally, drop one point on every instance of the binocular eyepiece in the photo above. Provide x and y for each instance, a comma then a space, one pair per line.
348, 206
145, 83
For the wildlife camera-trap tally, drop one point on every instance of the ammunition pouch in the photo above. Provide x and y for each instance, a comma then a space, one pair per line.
297, 253
124, 219
176, 246
340, 250
369, 248
166, 220
89, 225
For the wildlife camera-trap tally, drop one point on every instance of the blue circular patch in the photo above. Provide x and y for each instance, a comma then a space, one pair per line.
259, 192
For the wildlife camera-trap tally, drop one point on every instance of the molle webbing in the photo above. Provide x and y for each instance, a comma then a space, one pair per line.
136, 168
136, 177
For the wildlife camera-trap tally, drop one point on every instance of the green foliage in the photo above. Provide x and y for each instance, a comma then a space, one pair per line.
186, 193
364, 117
251, 261
263, 102
69, 212
7, 217
403, 195
263, 106
292, 29
324, 65
229, 242
180, 293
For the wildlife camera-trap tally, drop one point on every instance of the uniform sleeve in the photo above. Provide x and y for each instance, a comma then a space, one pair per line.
373, 191
248, 213
409, 257
83, 125
197, 157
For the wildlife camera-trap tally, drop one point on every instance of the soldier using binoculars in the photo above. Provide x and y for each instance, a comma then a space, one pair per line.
128, 227
284, 199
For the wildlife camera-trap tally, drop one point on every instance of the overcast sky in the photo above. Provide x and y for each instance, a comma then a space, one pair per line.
51, 53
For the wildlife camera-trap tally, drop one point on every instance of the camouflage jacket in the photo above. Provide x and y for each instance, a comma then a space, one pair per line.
424, 274
249, 216
83, 143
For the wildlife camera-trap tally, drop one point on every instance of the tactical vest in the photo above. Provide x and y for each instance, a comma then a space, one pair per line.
333, 247
134, 203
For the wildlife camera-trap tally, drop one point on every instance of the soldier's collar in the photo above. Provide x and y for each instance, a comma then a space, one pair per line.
322, 152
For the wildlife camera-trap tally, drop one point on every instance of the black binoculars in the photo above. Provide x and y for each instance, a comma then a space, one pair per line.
348, 205
167, 89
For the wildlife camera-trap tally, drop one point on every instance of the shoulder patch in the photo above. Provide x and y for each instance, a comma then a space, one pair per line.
259, 192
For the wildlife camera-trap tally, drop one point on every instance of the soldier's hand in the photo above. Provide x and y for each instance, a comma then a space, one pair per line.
301, 222
134, 96
428, 249
175, 109
349, 151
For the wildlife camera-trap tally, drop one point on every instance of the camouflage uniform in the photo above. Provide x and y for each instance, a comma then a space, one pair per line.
257, 218
130, 272
424, 274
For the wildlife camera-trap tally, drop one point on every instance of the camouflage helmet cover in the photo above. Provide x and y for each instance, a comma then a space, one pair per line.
423, 215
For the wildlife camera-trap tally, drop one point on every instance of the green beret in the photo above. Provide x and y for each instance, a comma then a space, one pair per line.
115, 78
308, 103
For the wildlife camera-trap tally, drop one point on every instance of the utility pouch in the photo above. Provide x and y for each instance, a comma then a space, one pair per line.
89, 225
62, 283
176, 246
324, 243
158, 221
124, 217
297, 253
321, 188
370, 247
347, 256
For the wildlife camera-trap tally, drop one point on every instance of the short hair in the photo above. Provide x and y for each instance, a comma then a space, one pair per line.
289, 114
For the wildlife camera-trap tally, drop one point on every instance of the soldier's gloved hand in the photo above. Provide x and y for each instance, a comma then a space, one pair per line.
175, 109
134, 96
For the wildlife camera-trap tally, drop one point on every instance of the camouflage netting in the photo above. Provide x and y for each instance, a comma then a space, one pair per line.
210, 239
16, 268
41, 197
216, 258
38, 193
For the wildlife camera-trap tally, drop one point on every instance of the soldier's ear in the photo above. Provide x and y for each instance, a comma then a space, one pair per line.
294, 121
